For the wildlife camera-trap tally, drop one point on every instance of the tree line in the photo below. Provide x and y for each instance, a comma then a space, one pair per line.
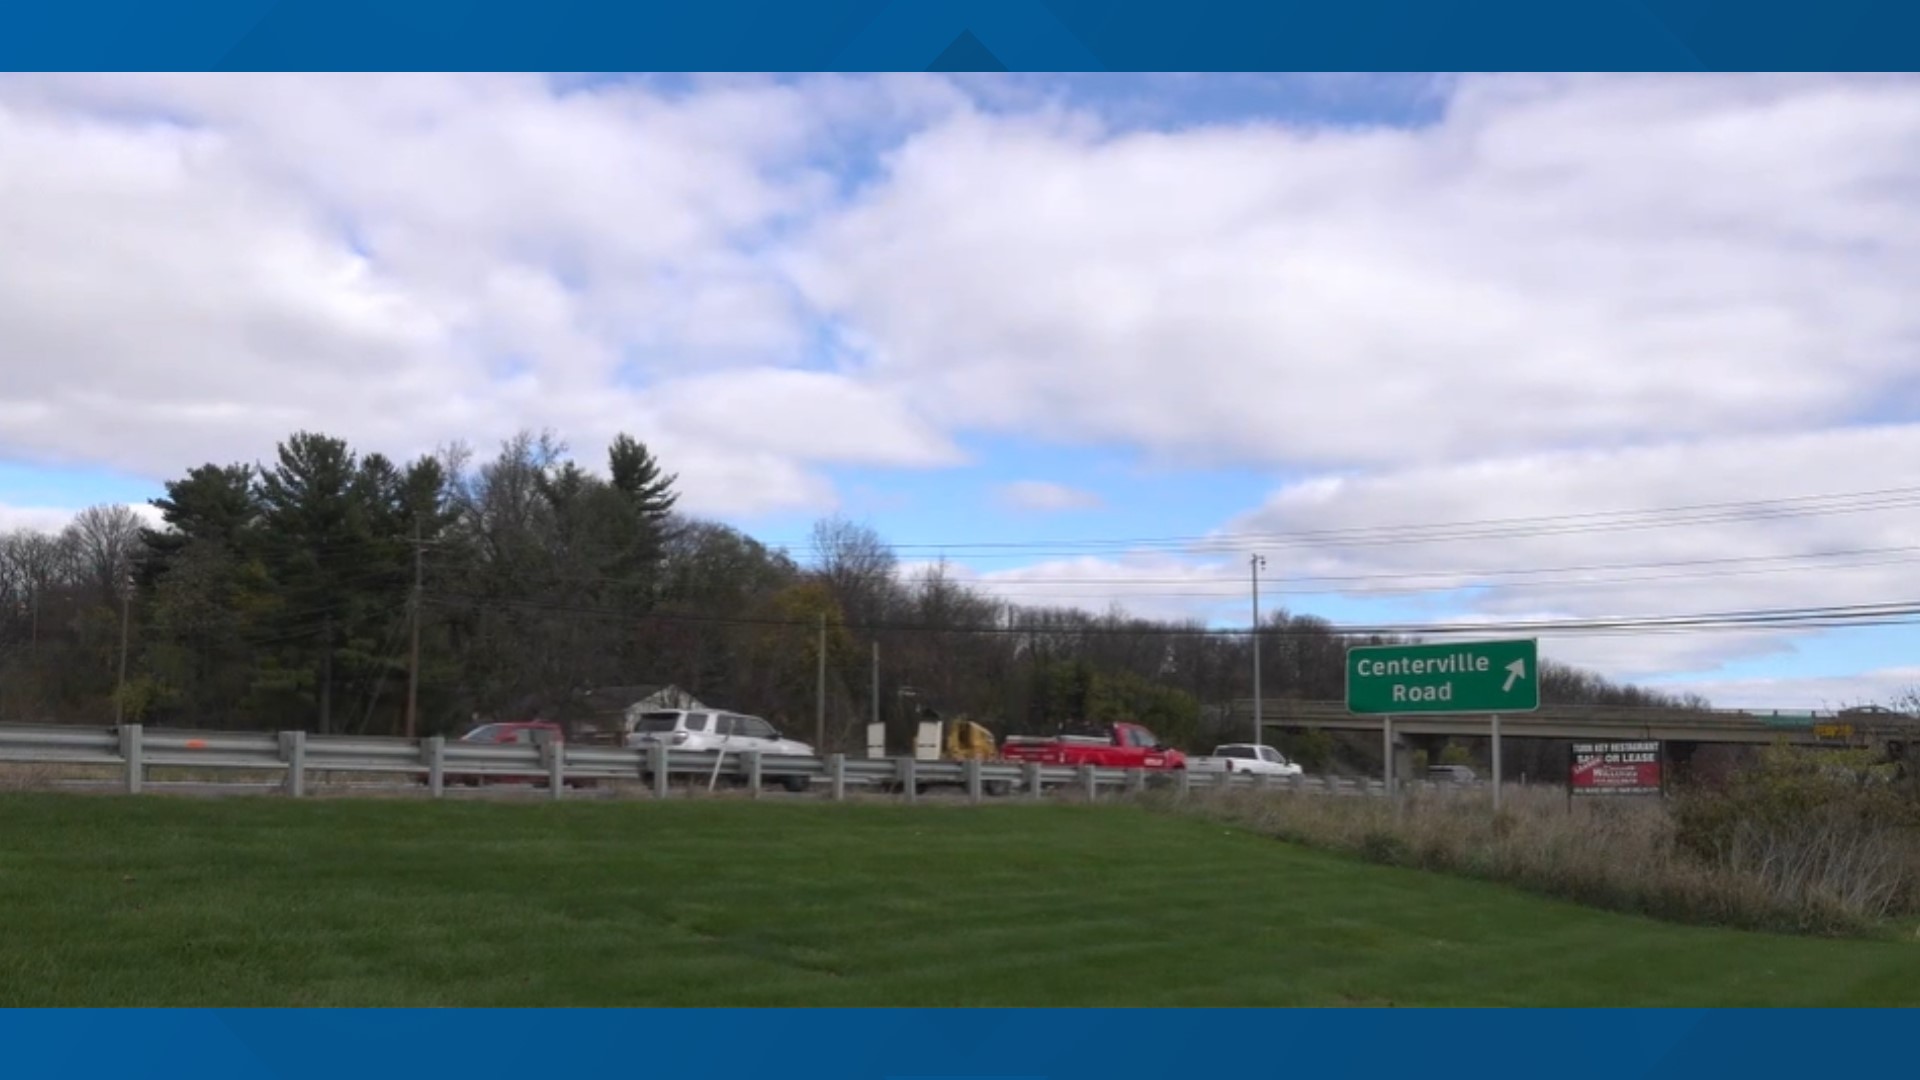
284, 594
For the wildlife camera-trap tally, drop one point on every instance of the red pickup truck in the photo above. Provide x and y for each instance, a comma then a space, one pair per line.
1113, 746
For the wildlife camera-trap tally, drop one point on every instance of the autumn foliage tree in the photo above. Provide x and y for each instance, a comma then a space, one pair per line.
279, 594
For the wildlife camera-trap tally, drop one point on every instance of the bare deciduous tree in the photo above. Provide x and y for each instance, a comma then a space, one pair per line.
105, 540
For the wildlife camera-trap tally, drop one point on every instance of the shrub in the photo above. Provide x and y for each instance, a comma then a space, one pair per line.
1814, 828
1821, 851
1313, 749
1383, 846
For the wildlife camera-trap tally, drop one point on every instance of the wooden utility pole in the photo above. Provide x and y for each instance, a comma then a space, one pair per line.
820, 697
120, 690
413, 652
326, 675
1257, 561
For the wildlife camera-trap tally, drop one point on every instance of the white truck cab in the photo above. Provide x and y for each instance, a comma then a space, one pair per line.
1246, 758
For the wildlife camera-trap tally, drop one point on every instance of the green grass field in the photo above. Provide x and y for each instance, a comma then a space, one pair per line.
266, 901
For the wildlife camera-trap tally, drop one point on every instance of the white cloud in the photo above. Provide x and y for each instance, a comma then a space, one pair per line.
1145, 584
1885, 687
51, 519
1044, 495
1572, 293
1560, 263
195, 266
45, 519
1597, 545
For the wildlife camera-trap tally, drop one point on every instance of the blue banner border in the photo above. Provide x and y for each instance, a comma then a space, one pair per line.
971, 35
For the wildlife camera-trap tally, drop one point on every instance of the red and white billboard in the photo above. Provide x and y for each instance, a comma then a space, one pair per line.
1615, 768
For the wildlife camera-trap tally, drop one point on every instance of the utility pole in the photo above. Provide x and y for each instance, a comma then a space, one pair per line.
1257, 561
820, 698
326, 675
876, 680
120, 690
413, 652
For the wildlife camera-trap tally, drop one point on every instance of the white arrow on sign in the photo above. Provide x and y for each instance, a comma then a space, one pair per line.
1515, 670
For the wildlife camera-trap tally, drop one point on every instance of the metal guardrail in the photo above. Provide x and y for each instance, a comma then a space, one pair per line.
298, 757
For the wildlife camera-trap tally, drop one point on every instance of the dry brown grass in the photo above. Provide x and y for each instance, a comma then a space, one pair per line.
14, 777
1806, 876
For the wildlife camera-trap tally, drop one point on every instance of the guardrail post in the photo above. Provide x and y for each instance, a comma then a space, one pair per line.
973, 781
293, 750
1137, 781
1091, 780
753, 773
1333, 784
1183, 783
1260, 782
658, 755
1295, 783
837, 775
909, 782
130, 750
556, 767
1030, 775
437, 765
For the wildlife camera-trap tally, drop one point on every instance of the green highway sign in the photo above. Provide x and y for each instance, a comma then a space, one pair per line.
1463, 677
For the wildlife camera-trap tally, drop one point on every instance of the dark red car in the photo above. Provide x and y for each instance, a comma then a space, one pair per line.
512, 732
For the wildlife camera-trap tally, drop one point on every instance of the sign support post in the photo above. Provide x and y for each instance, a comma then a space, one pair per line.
1496, 763
1386, 746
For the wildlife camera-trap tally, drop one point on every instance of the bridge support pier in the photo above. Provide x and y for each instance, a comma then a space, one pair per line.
1679, 763
1432, 745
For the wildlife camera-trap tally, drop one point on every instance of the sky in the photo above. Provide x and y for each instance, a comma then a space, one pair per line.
1092, 340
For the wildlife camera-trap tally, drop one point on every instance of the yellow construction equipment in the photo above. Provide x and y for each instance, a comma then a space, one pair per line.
967, 741
939, 738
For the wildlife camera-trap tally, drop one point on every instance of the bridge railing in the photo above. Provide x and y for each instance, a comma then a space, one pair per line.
1863, 721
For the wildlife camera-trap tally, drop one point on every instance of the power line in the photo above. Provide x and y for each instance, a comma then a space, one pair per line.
1495, 571
1804, 618
1568, 585
1434, 533
1051, 588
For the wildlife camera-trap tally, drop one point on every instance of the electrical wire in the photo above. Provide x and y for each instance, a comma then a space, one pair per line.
1410, 533
1891, 613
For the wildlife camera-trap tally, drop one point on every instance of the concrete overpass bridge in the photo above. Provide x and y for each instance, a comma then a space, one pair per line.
1847, 727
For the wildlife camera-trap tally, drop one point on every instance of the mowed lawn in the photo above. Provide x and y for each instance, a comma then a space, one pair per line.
265, 901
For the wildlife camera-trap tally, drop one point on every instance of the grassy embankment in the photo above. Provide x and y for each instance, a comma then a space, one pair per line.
265, 901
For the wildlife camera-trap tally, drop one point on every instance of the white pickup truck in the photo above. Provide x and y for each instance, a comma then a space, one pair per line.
1245, 758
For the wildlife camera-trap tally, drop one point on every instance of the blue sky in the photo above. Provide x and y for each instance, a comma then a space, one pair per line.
1291, 314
